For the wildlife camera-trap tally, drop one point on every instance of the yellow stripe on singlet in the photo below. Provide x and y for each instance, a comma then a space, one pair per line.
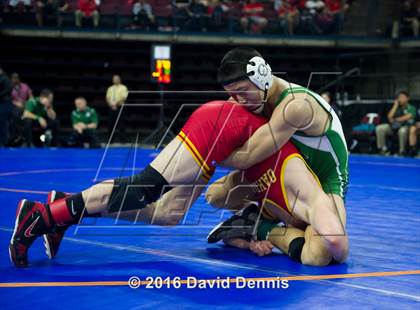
207, 172
283, 171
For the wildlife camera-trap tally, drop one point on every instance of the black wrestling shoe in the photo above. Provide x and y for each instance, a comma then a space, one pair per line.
53, 239
32, 220
241, 225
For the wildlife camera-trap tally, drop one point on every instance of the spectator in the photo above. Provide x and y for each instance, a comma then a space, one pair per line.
5, 106
289, 15
143, 17
327, 97
115, 97
413, 136
39, 113
325, 22
85, 122
87, 9
180, 14
216, 10
19, 6
334, 11
196, 12
21, 93
52, 9
314, 6
400, 117
253, 19
410, 16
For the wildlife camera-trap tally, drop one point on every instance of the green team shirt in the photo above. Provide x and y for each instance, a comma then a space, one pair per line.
87, 116
327, 155
410, 109
35, 106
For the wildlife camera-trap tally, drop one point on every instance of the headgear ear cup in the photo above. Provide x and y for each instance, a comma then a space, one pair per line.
259, 73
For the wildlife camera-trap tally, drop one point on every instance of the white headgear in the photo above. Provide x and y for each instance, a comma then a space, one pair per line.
259, 73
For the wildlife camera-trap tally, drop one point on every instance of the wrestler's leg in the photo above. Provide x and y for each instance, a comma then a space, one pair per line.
174, 163
326, 214
167, 211
313, 251
130, 193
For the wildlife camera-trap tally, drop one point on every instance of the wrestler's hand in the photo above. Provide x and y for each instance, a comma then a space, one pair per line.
261, 248
42, 122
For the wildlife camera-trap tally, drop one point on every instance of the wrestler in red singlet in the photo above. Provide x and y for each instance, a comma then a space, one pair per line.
217, 128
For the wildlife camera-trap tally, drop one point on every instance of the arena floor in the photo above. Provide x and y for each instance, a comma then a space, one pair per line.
97, 258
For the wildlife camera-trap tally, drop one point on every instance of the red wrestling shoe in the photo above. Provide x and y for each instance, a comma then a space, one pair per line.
32, 220
52, 240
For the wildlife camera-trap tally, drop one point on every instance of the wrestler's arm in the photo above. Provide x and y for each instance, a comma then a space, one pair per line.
270, 137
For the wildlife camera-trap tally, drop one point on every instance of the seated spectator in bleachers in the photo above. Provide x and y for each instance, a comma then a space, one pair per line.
410, 16
39, 113
143, 17
21, 93
50, 9
196, 12
288, 13
413, 136
115, 98
325, 22
253, 19
85, 122
87, 9
400, 117
314, 6
5, 106
180, 13
333, 15
20, 6
216, 11
312, 9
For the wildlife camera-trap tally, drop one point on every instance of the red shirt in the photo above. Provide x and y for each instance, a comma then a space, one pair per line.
253, 9
333, 5
285, 10
87, 6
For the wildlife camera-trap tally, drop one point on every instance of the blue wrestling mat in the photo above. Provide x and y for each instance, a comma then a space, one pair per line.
97, 258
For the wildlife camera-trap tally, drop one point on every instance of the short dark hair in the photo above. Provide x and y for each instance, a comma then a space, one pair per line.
233, 65
45, 92
405, 93
81, 98
15, 75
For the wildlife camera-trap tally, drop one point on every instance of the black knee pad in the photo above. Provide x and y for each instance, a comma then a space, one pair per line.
295, 249
136, 192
